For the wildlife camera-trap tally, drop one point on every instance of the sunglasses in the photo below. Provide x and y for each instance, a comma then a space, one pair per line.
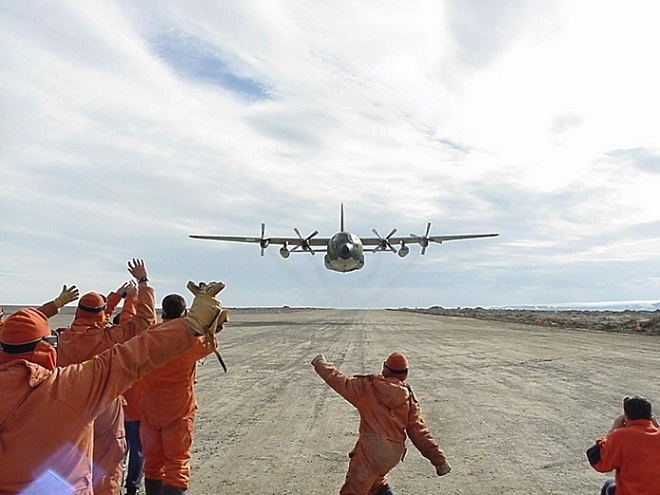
51, 339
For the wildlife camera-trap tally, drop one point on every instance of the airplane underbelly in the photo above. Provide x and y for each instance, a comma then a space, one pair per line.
343, 265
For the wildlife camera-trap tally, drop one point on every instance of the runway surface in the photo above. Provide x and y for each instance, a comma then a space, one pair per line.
514, 406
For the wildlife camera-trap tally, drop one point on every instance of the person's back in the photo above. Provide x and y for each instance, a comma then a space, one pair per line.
168, 413
388, 412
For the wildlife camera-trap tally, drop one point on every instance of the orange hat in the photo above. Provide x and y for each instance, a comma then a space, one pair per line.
91, 307
25, 326
396, 363
23, 335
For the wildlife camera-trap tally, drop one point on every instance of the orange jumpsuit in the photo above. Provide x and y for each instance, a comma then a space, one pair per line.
634, 452
168, 416
46, 416
81, 342
388, 411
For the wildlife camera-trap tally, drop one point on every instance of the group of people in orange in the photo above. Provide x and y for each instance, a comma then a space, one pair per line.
83, 390
79, 392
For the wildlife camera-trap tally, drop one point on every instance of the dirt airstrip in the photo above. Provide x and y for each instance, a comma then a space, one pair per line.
515, 405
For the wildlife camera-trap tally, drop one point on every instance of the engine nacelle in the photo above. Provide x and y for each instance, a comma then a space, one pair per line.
403, 250
284, 252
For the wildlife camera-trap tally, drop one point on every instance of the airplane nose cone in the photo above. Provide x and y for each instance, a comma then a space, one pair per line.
345, 251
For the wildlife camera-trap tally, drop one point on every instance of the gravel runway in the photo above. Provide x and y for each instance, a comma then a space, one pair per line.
515, 406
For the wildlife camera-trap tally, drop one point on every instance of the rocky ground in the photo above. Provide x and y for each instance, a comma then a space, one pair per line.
647, 322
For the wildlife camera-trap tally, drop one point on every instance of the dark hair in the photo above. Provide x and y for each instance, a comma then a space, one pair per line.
637, 407
174, 306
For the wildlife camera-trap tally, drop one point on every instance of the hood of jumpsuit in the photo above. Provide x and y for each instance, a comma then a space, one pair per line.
384, 408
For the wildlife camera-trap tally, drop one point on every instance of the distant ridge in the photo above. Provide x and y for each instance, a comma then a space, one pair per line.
594, 306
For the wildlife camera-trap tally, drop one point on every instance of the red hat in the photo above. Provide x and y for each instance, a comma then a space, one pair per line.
396, 363
91, 307
25, 326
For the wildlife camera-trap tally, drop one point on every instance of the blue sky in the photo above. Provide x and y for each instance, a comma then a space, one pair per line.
126, 126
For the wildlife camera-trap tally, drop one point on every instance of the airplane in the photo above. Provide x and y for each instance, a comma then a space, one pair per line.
344, 251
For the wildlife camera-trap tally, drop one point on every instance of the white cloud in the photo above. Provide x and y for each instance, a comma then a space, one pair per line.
125, 127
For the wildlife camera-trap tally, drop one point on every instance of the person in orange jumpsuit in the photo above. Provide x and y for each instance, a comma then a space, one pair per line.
47, 413
388, 412
89, 334
631, 449
168, 414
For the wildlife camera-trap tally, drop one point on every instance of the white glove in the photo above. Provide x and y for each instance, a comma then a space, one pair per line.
67, 295
443, 469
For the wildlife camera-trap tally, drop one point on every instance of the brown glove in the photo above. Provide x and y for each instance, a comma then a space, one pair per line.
67, 295
206, 309
206, 315
202, 286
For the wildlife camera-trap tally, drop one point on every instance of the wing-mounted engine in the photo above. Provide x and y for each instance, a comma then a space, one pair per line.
425, 240
384, 242
403, 250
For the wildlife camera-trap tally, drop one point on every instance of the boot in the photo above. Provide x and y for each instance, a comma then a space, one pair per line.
153, 487
172, 490
386, 490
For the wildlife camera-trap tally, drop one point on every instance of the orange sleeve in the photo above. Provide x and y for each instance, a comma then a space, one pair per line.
200, 350
94, 384
145, 316
129, 309
49, 309
421, 437
344, 385
111, 303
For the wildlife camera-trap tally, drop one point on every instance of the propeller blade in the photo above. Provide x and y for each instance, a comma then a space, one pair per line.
263, 242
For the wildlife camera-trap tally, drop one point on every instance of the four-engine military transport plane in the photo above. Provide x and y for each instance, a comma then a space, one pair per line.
344, 250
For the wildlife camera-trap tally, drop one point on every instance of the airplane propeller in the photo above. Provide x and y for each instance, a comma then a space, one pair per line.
425, 239
304, 241
384, 241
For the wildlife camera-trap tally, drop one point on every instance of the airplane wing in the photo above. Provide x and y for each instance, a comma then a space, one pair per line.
310, 244
387, 243
374, 241
292, 241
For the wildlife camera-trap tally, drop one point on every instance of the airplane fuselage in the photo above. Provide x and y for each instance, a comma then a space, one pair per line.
344, 253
